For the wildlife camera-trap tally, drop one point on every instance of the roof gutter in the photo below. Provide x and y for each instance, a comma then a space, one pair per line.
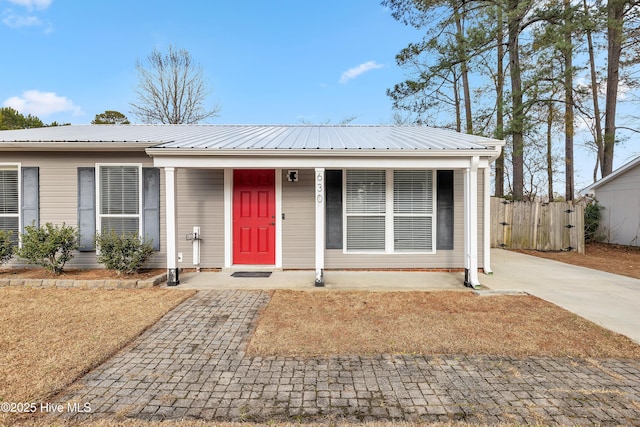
497, 149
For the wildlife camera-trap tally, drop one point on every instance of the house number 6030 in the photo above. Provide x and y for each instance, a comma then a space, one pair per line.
319, 187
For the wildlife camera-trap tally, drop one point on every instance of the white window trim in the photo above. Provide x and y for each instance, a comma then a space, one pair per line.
389, 216
98, 197
19, 214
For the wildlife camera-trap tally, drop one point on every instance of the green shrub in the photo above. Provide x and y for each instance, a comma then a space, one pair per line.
591, 221
50, 246
125, 253
7, 246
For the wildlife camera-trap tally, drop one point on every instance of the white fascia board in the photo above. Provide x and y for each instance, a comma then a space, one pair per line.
316, 161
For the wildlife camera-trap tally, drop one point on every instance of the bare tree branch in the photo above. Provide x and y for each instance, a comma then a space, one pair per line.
171, 89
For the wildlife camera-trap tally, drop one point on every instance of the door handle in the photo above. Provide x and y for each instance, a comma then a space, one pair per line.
272, 223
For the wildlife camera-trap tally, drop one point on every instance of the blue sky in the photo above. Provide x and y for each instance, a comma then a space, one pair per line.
266, 61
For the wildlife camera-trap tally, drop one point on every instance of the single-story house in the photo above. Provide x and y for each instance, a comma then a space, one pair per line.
619, 196
239, 196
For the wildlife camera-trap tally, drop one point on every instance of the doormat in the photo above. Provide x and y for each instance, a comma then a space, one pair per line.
251, 274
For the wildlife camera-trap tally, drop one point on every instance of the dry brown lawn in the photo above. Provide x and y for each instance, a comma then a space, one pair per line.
323, 323
49, 337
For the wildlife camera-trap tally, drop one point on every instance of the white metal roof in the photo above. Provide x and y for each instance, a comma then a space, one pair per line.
253, 137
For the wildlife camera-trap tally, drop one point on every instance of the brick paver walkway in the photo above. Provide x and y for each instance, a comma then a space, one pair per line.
192, 365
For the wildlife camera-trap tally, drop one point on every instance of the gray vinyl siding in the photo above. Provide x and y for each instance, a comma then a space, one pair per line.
59, 191
200, 203
620, 216
298, 227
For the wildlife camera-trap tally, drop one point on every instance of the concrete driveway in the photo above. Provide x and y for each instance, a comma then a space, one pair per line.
607, 299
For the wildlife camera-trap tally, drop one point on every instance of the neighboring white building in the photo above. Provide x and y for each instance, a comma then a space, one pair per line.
619, 196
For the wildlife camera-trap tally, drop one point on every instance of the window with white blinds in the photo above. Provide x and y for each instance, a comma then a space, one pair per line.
119, 199
366, 209
413, 210
389, 211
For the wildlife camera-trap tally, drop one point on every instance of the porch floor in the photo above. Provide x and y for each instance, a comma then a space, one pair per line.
334, 280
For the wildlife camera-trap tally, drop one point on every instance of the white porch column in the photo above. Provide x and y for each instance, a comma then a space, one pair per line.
172, 230
486, 248
320, 225
471, 223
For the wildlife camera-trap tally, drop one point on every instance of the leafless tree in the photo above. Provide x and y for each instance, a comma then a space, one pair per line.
171, 89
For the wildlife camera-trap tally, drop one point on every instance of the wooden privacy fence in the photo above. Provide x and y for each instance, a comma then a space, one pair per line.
555, 226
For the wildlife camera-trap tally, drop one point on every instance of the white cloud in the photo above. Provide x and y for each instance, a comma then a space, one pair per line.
42, 104
32, 4
354, 72
27, 18
12, 20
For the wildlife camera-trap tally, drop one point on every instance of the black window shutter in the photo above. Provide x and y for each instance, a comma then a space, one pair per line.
444, 232
333, 209
30, 197
151, 206
87, 209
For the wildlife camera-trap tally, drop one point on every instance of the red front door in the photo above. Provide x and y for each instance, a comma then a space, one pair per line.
254, 216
